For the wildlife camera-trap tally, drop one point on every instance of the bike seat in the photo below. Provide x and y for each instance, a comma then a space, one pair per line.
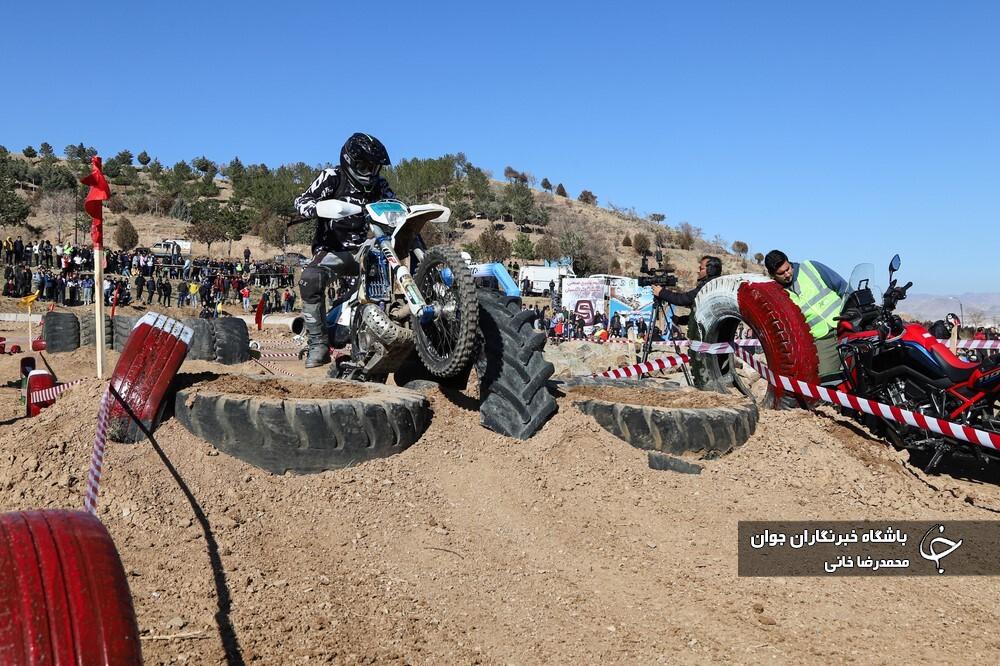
954, 368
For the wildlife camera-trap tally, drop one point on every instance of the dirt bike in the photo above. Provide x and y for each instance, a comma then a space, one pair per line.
389, 312
902, 364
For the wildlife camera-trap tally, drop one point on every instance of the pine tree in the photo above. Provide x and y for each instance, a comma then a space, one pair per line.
561, 191
523, 247
125, 237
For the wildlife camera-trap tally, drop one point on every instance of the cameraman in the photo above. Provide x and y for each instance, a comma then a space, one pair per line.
709, 267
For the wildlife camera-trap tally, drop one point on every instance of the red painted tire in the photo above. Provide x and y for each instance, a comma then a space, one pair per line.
784, 335
63, 594
725, 303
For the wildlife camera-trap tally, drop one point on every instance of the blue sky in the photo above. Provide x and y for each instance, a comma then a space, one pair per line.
841, 132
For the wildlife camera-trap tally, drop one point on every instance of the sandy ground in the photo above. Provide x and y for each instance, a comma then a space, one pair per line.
470, 547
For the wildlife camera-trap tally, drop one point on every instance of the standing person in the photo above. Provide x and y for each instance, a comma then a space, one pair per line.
356, 179
150, 289
182, 293
819, 292
246, 255
245, 294
167, 290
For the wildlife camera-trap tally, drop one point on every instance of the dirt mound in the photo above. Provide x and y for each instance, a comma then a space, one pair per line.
280, 388
679, 399
472, 547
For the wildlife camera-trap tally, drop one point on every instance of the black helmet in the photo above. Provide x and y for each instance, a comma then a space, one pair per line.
361, 158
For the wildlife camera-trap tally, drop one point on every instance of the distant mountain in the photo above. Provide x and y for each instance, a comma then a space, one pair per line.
979, 309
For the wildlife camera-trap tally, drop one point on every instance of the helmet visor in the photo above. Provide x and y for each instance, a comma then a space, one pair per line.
365, 170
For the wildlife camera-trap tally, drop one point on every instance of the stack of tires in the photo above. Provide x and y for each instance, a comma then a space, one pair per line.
225, 340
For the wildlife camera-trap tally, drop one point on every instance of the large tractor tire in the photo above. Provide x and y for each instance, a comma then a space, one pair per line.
122, 329
63, 592
61, 331
88, 332
513, 373
306, 435
232, 340
203, 342
761, 304
708, 433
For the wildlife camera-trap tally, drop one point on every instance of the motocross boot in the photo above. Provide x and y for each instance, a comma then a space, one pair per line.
314, 315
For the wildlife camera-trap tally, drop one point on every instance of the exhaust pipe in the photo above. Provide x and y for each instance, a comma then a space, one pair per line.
297, 325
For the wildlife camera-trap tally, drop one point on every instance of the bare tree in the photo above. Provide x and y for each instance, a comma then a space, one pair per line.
61, 205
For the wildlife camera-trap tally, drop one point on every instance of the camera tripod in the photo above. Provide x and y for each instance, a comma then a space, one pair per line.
656, 309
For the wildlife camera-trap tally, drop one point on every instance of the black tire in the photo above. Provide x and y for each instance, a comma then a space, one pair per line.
202, 346
306, 436
513, 372
61, 331
88, 333
642, 382
466, 313
708, 433
232, 340
122, 329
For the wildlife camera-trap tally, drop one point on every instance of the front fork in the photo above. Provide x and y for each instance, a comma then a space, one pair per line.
424, 312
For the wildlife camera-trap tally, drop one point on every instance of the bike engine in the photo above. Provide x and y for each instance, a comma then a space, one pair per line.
383, 344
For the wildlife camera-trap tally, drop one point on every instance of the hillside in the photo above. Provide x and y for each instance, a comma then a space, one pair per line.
154, 189
605, 230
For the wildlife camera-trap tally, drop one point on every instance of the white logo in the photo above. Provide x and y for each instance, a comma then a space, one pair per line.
935, 556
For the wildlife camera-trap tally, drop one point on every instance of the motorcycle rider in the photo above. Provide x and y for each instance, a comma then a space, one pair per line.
819, 292
355, 180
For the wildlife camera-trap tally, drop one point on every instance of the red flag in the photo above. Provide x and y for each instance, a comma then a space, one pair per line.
259, 316
98, 192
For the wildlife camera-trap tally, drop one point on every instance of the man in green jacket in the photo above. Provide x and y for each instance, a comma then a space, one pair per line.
819, 292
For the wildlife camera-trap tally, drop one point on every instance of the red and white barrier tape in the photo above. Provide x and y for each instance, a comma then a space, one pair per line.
278, 369
637, 369
52, 393
914, 419
974, 344
275, 344
97, 455
813, 391
279, 355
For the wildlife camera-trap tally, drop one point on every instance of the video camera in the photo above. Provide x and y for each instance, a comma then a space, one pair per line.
661, 276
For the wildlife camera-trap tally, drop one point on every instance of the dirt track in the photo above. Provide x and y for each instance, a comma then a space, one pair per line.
471, 547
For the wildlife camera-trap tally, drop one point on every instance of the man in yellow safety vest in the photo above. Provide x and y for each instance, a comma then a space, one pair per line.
819, 292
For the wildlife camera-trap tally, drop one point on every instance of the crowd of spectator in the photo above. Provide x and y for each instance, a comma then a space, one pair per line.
63, 274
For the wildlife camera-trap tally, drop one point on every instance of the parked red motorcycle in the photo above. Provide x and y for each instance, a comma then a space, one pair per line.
901, 364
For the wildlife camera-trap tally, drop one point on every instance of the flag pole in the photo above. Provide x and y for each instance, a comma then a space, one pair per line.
99, 308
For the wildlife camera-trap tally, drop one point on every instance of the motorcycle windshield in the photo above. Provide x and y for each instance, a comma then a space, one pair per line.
863, 276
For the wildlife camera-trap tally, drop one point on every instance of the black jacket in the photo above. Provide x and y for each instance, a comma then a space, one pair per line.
346, 233
682, 298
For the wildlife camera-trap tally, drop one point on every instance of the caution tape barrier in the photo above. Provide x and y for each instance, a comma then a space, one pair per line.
890, 412
816, 392
97, 454
51, 393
